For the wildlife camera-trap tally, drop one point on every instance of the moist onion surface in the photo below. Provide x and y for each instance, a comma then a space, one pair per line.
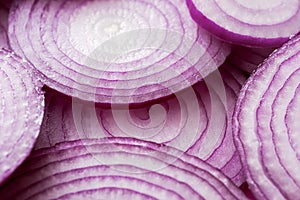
115, 167
114, 51
260, 23
266, 125
20, 112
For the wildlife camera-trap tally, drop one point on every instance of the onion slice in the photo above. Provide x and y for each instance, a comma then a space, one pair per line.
117, 167
266, 127
115, 51
197, 120
20, 112
259, 23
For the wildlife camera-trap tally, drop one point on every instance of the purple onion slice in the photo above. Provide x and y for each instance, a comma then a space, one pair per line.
115, 51
266, 127
115, 167
21, 111
259, 23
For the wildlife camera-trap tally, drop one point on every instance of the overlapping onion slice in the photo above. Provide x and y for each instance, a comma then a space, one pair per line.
248, 59
97, 169
197, 120
21, 108
266, 125
260, 23
115, 51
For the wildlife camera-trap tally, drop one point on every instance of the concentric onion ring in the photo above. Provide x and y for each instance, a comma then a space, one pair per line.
115, 51
114, 167
197, 120
260, 23
20, 112
266, 126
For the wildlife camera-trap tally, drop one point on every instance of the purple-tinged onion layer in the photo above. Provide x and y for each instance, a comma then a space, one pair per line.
197, 120
115, 167
116, 51
266, 125
21, 111
258, 23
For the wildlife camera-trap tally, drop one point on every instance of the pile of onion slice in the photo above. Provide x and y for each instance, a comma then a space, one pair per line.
116, 51
21, 111
196, 120
266, 125
260, 23
117, 168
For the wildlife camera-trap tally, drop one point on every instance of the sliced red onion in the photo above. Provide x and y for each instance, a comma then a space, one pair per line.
248, 59
197, 120
20, 112
260, 23
266, 127
115, 51
117, 166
